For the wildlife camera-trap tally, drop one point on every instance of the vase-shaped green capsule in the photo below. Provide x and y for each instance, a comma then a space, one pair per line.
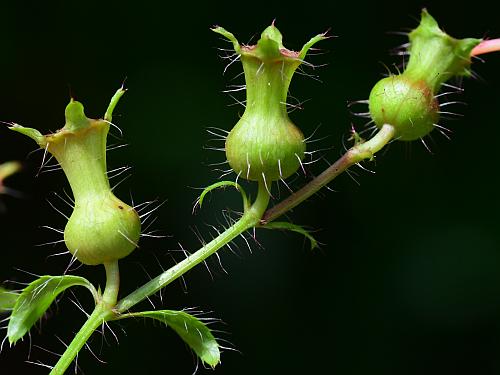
101, 228
265, 144
408, 101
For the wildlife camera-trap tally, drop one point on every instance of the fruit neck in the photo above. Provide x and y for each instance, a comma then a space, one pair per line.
435, 56
436, 61
269, 68
267, 85
82, 156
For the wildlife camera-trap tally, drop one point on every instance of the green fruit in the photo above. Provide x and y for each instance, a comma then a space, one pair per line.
407, 101
265, 144
102, 228
408, 106
258, 147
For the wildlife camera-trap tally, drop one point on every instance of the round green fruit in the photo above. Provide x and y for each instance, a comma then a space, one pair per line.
102, 229
409, 106
258, 148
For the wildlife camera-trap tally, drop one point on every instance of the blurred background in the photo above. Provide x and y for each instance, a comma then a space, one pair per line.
407, 280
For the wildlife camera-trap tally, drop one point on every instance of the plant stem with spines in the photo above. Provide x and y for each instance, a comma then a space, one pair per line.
107, 308
354, 155
250, 219
255, 215
103, 311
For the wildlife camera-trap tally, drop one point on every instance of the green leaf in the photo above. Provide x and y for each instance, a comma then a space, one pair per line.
222, 184
8, 299
194, 333
36, 298
294, 228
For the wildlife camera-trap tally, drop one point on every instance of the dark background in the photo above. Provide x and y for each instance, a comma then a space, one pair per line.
407, 280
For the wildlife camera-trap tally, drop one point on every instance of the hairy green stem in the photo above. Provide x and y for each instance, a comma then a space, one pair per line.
354, 155
256, 214
94, 321
103, 311
107, 308
250, 219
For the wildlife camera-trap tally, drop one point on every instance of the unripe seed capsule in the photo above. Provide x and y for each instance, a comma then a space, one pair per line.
407, 101
407, 105
265, 144
101, 228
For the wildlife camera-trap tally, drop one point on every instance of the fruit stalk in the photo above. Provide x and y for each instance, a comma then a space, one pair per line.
353, 156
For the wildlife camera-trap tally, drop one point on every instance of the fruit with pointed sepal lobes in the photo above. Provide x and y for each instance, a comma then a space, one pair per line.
101, 228
265, 143
408, 101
